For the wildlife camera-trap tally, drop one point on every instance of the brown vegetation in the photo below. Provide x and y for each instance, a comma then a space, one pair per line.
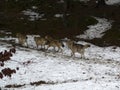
5, 56
8, 72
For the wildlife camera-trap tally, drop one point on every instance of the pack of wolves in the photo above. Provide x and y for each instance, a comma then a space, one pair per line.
51, 42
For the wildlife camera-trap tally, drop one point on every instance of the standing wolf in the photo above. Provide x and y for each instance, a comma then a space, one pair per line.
77, 48
40, 41
53, 43
22, 39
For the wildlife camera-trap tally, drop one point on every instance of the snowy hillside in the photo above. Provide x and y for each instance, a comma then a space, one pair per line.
32, 68
58, 71
39, 70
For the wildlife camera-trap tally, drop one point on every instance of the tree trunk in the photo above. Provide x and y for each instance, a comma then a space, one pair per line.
66, 7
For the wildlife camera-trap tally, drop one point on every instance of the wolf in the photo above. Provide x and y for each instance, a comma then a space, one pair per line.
49, 38
77, 48
22, 39
54, 43
40, 41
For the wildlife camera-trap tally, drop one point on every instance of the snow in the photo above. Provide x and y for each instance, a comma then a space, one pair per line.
4, 32
34, 7
87, 85
96, 31
58, 15
98, 71
60, 1
32, 15
111, 2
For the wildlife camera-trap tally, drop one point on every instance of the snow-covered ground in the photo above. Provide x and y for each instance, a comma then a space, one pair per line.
59, 71
100, 69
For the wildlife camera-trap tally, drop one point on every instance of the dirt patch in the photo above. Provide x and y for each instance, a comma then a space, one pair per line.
14, 86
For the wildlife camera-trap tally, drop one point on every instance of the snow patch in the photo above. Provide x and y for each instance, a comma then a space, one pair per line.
96, 31
111, 2
32, 15
58, 15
